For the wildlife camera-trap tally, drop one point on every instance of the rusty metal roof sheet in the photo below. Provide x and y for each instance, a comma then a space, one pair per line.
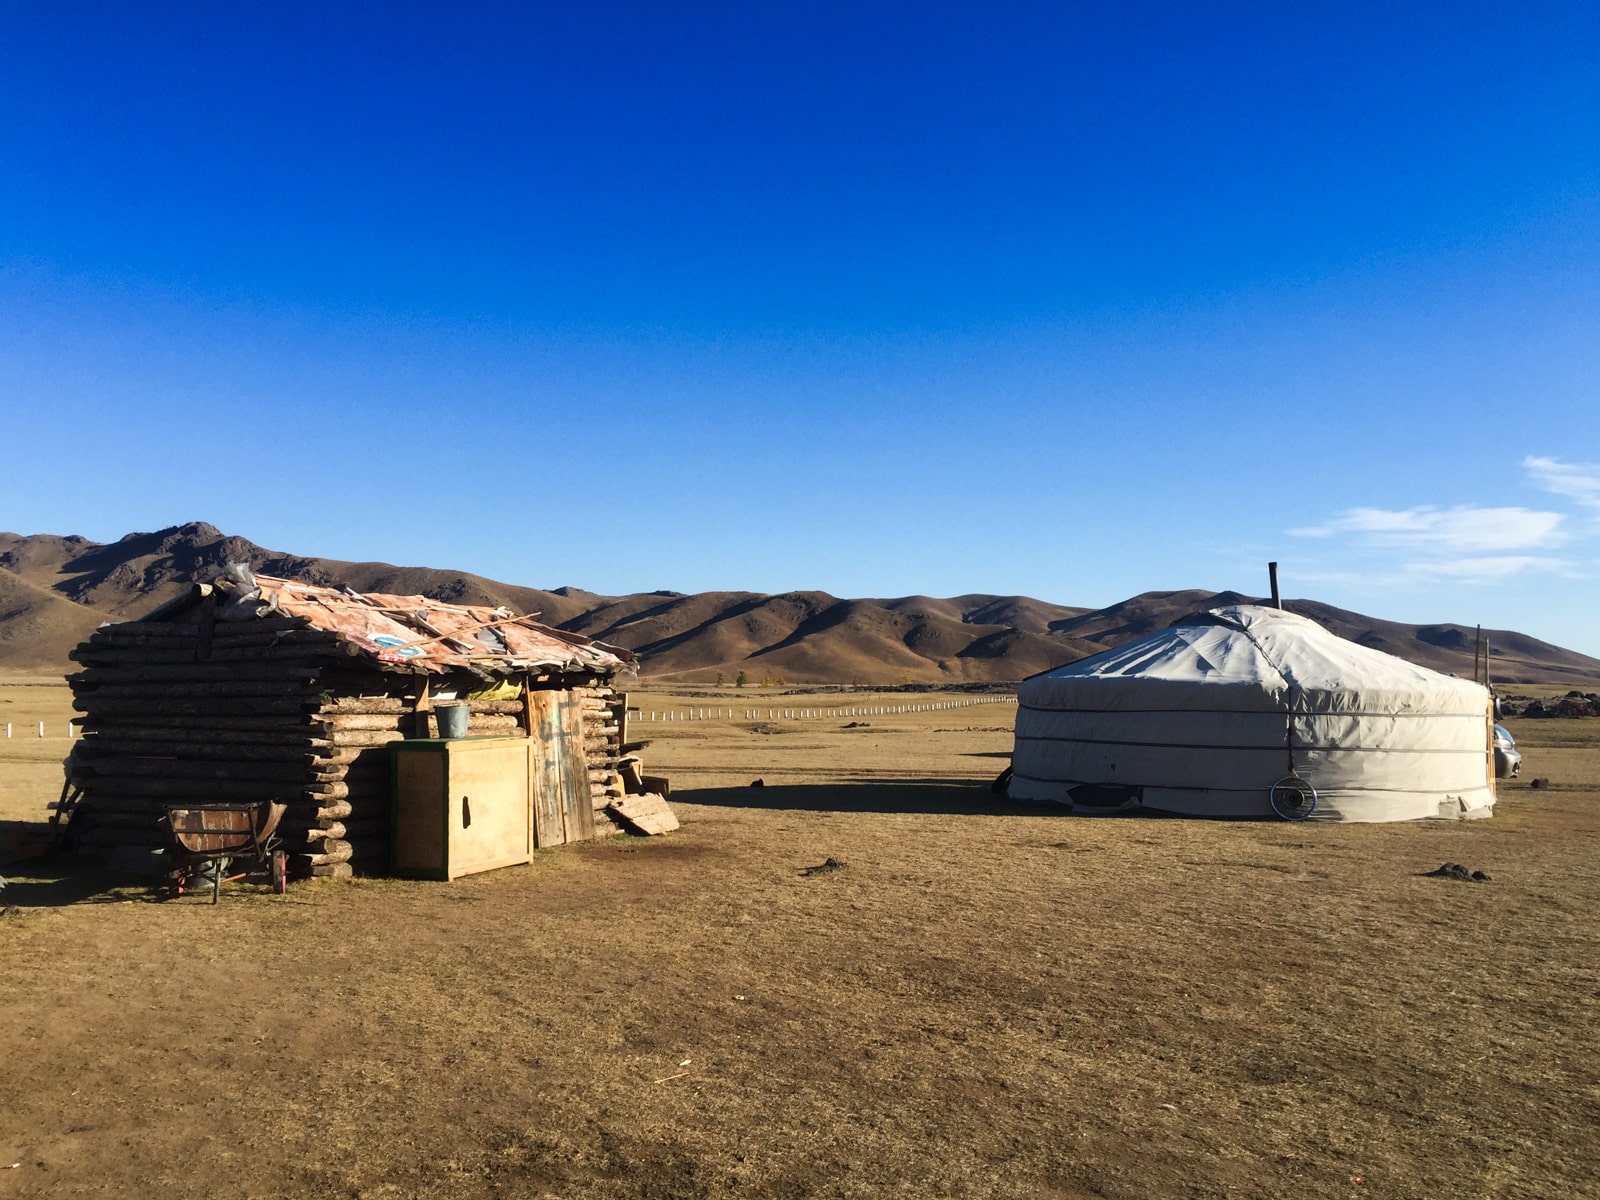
433, 636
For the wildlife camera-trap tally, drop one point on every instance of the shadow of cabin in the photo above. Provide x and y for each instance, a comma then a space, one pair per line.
252, 688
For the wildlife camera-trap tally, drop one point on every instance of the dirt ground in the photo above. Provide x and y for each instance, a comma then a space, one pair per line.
987, 1000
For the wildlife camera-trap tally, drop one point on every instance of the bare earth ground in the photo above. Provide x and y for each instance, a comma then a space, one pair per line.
988, 1000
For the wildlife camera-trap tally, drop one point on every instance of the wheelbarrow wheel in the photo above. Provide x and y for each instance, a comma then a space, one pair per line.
280, 872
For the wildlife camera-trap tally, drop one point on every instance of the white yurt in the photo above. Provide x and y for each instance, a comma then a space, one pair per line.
1206, 717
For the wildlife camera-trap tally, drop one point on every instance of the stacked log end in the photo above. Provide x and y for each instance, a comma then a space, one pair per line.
604, 729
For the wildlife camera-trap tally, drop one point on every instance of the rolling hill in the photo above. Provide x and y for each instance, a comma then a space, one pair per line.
55, 590
35, 624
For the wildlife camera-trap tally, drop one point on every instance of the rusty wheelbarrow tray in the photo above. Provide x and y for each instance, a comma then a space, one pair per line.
215, 835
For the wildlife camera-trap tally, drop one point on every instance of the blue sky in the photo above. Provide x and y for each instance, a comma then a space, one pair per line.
1072, 301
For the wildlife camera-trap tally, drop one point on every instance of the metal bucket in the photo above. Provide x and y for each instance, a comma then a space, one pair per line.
452, 719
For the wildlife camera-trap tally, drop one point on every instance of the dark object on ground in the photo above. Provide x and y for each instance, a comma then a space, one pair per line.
1457, 871
858, 725
1540, 783
998, 787
758, 783
1573, 704
827, 867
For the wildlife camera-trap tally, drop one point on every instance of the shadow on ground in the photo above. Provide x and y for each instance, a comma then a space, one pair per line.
61, 880
950, 797
941, 796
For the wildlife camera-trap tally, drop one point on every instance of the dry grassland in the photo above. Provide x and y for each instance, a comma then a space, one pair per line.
988, 1000
30, 766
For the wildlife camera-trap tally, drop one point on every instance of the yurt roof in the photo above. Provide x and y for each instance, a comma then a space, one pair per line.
1253, 646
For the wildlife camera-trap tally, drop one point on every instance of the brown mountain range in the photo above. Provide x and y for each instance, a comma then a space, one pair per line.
55, 590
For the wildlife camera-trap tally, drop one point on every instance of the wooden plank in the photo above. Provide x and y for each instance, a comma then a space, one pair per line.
544, 715
646, 814
577, 802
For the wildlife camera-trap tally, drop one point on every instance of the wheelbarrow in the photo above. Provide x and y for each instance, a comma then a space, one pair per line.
208, 839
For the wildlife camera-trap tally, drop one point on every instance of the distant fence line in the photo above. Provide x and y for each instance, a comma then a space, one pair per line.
71, 730
730, 714
809, 714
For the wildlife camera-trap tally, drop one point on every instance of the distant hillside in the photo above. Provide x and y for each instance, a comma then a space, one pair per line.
35, 624
54, 590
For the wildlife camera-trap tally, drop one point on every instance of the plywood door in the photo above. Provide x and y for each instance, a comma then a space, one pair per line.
577, 800
488, 806
563, 806
544, 710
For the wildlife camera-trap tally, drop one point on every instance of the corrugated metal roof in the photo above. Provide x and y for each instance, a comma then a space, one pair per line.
433, 636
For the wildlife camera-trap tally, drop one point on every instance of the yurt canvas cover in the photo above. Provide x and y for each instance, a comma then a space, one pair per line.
1204, 717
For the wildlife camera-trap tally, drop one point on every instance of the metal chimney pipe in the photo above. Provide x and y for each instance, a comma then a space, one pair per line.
1272, 574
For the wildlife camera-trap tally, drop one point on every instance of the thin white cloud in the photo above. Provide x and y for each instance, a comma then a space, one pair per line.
1485, 568
1371, 548
1461, 530
1580, 481
1479, 569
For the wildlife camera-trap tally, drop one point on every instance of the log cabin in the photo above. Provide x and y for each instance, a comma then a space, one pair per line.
256, 688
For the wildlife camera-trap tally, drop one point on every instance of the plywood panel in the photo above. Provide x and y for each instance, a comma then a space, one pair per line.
648, 813
544, 719
419, 817
488, 805
577, 797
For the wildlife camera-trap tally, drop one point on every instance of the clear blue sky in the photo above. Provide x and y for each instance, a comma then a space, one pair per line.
1073, 301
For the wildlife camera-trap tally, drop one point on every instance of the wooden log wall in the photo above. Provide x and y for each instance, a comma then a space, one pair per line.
270, 709
204, 711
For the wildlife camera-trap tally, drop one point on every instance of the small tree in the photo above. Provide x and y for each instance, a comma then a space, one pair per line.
742, 680
719, 678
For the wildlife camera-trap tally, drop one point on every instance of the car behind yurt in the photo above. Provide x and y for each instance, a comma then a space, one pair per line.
1251, 711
